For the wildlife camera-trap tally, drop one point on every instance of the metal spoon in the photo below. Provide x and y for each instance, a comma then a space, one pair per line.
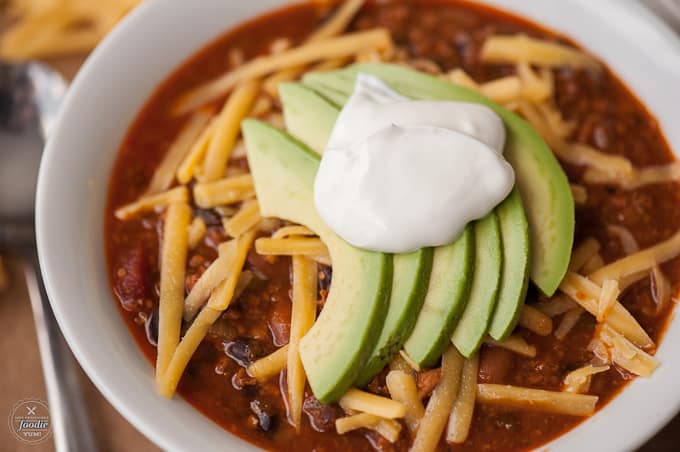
667, 10
30, 95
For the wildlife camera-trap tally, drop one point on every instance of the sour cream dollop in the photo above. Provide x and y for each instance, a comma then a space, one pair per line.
398, 175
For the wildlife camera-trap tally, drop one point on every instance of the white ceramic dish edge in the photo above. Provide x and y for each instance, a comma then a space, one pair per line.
75, 171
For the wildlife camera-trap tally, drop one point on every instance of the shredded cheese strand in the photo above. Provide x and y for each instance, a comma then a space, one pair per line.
586, 293
346, 45
516, 344
354, 399
194, 158
464, 406
403, 389
523, 49
584, 251
157, 201
537, 399
166, 171
227, 129
535, 320
578, 381
302, 319
173, 267
270, 365
291, 246
441, 402
642, 261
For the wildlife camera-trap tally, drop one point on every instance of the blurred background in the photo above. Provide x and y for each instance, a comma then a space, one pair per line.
61, 33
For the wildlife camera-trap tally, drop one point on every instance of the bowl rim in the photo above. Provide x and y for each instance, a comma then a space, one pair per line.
642, 426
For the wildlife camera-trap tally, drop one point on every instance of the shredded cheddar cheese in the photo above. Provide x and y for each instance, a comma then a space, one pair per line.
165, 173
173, 263
367, 402
557, 305
523, 49
403, 389
516, 344
642, 261
441, 403
569, 321
210, 279
625, 354
535, 320
578, 381
291, 246
270, 365
584, 251
587, 293
186, 349
608, 297
302, 319
628, 242
225, 191
191, 163
533, 87
639, 177
227, 129
151, 202
331, 48
537, 399
595, 263
246, 218
288, 231
222, 296
464, 406
197, 230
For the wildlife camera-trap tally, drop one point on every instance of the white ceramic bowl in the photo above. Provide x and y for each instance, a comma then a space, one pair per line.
123, 72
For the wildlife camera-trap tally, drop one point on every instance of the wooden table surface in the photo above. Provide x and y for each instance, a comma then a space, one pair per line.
22, 376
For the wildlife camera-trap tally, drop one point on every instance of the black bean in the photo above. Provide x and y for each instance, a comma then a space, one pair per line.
322, 417
210, 217
266, 420
151, 327
325, 276
243, 350
239, 351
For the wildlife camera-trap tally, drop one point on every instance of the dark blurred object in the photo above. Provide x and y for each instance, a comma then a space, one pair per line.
666, 440
16, 89
668, 11
31, 94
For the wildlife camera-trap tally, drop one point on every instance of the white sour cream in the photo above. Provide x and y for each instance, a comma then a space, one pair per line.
398, 175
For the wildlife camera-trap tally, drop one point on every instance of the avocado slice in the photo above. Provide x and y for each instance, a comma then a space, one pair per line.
474, 323
543, 186
406, 301
445, 300
311, 118
337, 347
514, 281
305, 110
308, 116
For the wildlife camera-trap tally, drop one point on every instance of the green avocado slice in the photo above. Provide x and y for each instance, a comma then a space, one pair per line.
474, 323
311, 118
445, 300
337, 347
308, 116
514, 281
543, 186
406, 301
